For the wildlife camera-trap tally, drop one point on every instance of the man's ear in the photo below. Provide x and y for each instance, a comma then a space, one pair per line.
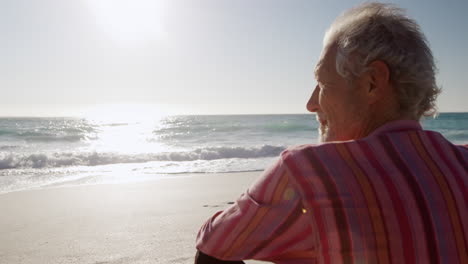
379, 80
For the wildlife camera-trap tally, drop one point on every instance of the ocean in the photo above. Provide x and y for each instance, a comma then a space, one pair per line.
50, 152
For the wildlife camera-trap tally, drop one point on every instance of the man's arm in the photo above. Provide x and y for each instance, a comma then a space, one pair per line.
202, 258
255, 227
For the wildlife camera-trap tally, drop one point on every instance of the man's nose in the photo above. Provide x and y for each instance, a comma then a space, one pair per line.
312, 104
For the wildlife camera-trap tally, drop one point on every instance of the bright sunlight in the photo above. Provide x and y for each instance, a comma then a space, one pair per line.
129, 21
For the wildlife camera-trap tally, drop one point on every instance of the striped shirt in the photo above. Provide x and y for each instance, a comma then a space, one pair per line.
398, 195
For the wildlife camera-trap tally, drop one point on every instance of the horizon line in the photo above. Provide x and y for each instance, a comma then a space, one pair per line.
233, 114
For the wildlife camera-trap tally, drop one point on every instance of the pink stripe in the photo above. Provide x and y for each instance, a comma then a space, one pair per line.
361, 218
458, 186
339, 232
456, 183
448, 149
409, 222
375, 174
221, 242
266, 194
289, 245
309, 194
448, 168
384, 223
396, 219
453, 217
279, 232
432, 193
453, 179
422, 229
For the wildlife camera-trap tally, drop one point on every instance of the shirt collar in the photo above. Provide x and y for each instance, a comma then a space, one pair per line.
397, 126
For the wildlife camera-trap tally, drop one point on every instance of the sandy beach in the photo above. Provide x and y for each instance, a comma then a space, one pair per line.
148, 222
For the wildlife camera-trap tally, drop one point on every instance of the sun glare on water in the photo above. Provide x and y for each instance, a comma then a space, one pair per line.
125, 128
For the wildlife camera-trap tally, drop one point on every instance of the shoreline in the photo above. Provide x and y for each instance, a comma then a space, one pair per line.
102, 180
137, 222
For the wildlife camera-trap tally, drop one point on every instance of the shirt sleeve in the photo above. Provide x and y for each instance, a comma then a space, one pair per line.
267, 222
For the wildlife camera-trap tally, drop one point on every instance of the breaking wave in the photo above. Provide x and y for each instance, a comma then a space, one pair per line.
63, 159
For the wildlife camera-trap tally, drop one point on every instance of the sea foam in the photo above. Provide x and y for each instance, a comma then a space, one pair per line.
62, 159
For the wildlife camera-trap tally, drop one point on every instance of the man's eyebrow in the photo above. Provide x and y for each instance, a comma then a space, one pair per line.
316, 70
318, 67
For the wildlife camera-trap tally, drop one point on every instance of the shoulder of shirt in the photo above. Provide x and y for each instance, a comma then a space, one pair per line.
292, 151
464, 147
299, 150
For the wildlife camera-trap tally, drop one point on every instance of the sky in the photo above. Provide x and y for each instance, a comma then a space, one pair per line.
65, 58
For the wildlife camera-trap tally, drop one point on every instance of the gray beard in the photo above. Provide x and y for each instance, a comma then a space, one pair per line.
323, 134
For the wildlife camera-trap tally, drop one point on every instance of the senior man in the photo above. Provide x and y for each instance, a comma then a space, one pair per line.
380, 189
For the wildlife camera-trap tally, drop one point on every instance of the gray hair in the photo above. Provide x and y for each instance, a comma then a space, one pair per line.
377, 31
